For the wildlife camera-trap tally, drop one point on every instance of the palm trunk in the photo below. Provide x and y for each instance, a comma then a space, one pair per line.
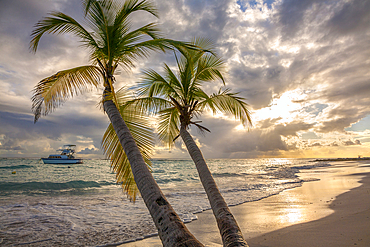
171, 229
229, 229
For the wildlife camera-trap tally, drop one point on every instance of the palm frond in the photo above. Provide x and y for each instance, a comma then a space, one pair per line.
134, 5
168, 125
52, 91
199, 46
149, 105
120, 97
132, 38
153, 84
129, 45
93, 5
229, 103
209, 68
59, 23
206, 44
201, 128
143, 49
143, 135
119, 162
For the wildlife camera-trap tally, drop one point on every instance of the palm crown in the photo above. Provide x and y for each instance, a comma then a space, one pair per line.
111, 43
177, 97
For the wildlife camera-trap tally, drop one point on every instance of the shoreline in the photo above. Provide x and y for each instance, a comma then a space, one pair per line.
341, 159
348, 225
261, 221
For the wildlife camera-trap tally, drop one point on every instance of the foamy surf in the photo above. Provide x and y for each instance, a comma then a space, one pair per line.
49, 205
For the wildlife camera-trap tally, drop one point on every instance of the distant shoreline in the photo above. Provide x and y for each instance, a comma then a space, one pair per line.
342, 159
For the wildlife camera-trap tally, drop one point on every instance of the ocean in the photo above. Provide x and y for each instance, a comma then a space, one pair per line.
81, 205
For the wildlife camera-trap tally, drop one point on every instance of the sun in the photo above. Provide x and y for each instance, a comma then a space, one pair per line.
285, 107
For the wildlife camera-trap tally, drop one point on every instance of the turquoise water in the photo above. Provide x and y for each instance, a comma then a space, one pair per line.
81, 205
33, 177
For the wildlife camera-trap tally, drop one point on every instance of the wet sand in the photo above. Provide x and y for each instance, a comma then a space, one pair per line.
334, 211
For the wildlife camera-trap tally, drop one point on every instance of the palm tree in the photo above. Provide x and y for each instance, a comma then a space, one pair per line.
139, 127
111, 42
177, 97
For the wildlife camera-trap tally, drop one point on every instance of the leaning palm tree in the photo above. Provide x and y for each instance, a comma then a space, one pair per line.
142, 132
111, 43
177, 97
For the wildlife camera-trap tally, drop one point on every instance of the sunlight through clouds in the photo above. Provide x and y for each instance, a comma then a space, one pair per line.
302, 66
283, 108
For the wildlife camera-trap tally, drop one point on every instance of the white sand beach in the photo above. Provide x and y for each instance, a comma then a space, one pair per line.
333, 211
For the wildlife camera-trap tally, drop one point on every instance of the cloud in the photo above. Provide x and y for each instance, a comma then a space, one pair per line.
316, 144
301, 65
242, 143
351, 143
9, 144
352, 18
89, 151
292, 15
334, 144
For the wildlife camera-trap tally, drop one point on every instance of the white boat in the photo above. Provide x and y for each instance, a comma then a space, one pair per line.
65, 157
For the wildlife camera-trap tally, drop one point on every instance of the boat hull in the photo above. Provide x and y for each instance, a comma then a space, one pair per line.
61, 161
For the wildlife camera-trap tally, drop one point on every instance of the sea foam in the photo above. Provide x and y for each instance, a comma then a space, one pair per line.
53, 205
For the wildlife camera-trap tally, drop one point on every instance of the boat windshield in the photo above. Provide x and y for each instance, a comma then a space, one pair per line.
68, 150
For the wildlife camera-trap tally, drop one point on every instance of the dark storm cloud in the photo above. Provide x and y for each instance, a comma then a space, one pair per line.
250, 144
344, 116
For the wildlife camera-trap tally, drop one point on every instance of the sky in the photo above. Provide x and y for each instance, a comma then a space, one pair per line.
303, 67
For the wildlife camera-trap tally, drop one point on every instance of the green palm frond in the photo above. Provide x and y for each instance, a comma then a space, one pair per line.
182, 90
132, 38
209, 68
168, 125
200, 46
143, 49
153, 84
134, 5
120, 98
119, 162
150, 84
175, 87
143, 135
111, 42
59, 23
206, 44
52, 91
229, 103
149, 105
